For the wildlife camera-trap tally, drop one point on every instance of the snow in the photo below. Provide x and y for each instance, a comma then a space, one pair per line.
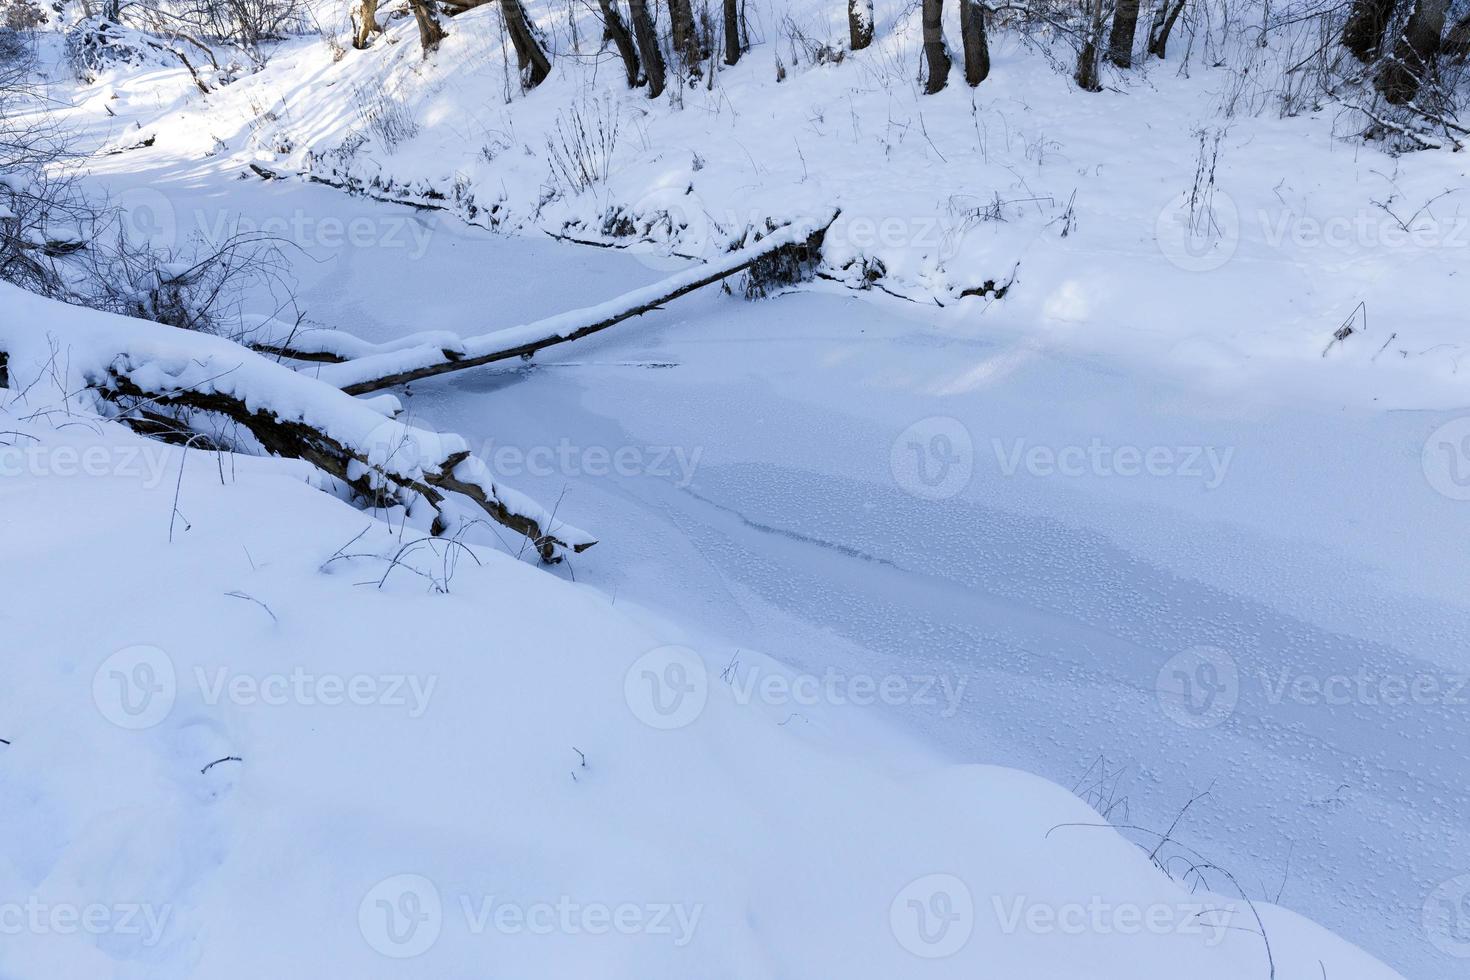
1156, 462
489, 761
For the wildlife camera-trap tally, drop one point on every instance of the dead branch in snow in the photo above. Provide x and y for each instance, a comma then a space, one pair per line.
802, 240
432, 479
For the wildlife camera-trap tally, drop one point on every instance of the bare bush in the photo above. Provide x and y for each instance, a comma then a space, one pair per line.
384, 115
582, 145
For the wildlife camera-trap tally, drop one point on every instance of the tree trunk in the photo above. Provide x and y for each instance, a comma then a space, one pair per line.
686, 38
616, 31
375, 372
972, 37
935, 52
859, 23
1414, 52
1086, 75
647, 38
368, 25
430, 33
1158, 35
533, 63
1125, 26
1363, 33
1457, 42
733, 44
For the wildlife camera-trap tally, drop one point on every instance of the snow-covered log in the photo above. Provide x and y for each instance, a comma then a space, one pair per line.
151, 375
425, 360
274, 337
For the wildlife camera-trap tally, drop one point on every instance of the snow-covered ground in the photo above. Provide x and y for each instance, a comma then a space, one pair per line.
1129, 516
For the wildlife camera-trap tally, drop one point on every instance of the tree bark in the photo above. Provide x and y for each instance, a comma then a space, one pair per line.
733, 43
686, 38
1457, 41
1363, 33
1086, 75
368, 25
1125, 27
972, 38
531, 60
647, 37
859, 24
935, 51
1414, 52
616, 31
430, 33
1158, 37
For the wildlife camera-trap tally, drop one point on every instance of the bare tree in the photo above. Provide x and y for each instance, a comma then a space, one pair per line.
1457, 41
1163, 25
1125, 26
972, 37
859, 23
427, 17
1366, 24
936, 52
530, 57
1414, 52
734, 43
616, 31
686, 37
647, 37
367, 24
1086, 75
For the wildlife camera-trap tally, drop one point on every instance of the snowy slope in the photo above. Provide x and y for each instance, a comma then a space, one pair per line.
453, 769
1082, 199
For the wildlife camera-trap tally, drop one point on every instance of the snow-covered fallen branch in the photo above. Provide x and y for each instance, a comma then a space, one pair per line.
319, 344
150, 376
425, 360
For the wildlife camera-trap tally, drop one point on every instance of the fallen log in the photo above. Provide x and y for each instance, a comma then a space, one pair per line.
394, 464
378, 371
277, 338
175, 384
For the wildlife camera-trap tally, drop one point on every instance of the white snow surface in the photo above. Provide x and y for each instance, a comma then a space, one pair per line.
1316, 536
430, 783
